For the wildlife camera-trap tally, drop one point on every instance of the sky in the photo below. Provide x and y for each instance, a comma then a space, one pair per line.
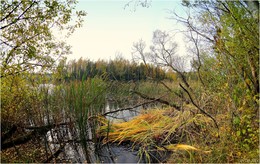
110, 29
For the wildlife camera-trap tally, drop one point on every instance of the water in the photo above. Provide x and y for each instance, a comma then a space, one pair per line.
67, 137
109, 153
113, 153
73, 151
120, 116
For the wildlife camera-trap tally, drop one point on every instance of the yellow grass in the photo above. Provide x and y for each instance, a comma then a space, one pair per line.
155, 127
174, 147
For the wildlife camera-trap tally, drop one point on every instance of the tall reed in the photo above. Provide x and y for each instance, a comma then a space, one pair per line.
85, 99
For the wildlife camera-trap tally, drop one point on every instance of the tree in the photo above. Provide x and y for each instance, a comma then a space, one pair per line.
28, 55
226, 39
133, 4
162, 53
231, 32
27, 41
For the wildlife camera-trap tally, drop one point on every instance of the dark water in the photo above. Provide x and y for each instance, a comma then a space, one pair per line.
124, 153
124, 115
72, 151
98, 153
114, 153
109, 153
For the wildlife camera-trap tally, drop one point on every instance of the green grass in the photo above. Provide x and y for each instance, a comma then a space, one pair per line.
86, 99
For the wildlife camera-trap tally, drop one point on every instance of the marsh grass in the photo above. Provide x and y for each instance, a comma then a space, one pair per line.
72, 103
158, 130
85, 98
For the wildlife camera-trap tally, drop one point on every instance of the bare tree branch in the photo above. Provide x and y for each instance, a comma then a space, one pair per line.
19, 17
4, 18
139, 48
195, 41
200, 109
152, 100
158, 100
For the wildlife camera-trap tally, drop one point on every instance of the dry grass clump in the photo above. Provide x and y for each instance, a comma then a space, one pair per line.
161, 129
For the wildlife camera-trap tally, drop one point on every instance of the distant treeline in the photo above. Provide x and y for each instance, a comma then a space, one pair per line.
118, 69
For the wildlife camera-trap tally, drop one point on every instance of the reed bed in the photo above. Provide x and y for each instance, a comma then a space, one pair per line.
84, 99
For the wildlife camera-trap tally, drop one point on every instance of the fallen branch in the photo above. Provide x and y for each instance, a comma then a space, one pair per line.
46, 127
158, 100
27, 137
144, 103
18, 141
70, 141
200, 109
128, 108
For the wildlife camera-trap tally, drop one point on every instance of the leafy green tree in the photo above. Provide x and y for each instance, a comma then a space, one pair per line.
28, 55
27, 39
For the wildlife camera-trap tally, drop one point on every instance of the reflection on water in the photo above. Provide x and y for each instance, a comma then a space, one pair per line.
73, 152
114, 153
124, 115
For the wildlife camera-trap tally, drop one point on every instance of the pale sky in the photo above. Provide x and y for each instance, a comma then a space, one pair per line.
110, 29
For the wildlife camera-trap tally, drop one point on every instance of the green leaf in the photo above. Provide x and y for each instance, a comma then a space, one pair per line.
238, 133
236, 121
243, 131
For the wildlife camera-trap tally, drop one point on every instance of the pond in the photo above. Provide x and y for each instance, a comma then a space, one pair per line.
121, 115
64, 140
108, 153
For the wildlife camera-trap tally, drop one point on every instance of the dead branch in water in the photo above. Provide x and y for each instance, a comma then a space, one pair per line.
144, 103
128, 108
42, 130
18, 141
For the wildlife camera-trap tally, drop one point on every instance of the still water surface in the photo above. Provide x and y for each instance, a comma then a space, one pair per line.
108, 153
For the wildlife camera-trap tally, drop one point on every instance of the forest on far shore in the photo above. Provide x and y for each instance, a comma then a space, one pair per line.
119, 69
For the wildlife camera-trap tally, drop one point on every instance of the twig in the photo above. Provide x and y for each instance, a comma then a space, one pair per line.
158, 100
176, 93
128, 108
201, 110
50, 126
